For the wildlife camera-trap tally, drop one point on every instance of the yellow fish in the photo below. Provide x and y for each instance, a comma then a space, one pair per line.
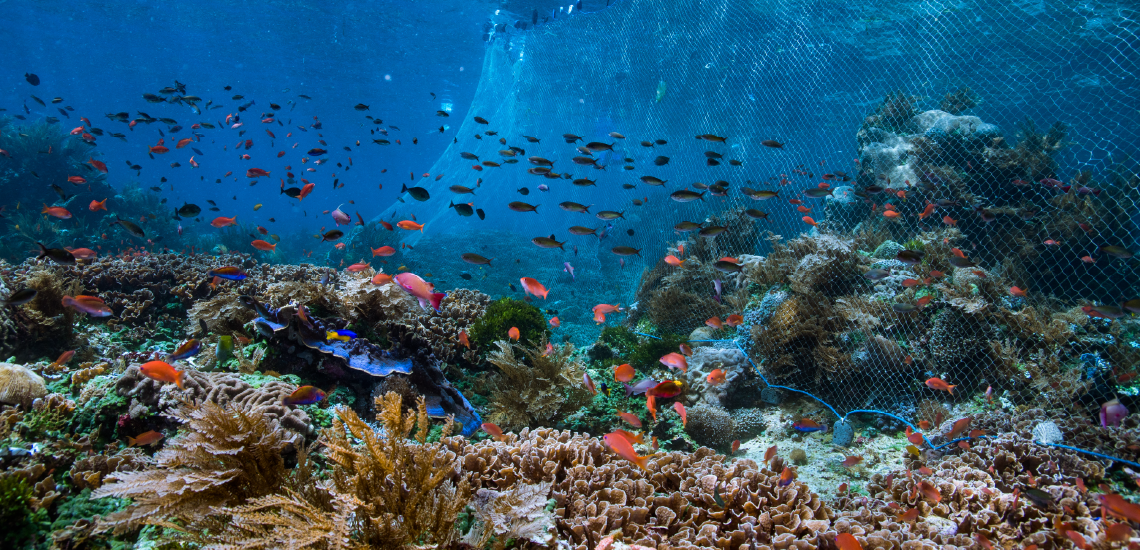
257, 207
335, 336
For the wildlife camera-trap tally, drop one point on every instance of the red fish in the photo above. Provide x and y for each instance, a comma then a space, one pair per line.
624, 372
770, 453
305, 190
716, 377
601, 310
960, 426
57, 211
463, 339
76, 179
1015, 291
62, 360
677, 406
665, 390
714, 322
949, 221
631, 418
734, 320
554, 322
495, 431
940, 385
91, 305
383, 251
263, 245
847, 541
513, 333
624, 448
183, 143
304, 395
929, 491
383, 279
410, 225
926, 212
256, 173
97, 205
532, 286
222, 221
675, 361
357, 267
144, 439
809, 221
82, 253
98, 164
163, 372
851, 461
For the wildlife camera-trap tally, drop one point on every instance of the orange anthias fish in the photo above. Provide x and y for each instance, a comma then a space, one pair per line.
908, 516
263, 245
601, 310
98, 164
677, 406
163, 372
675, 361
770, 453
82, 253
959, 427
624, 373
1016, 292
927, 212
381, 279
847, 541
674, 261
222, 221
495, 431
76, 180
63, 359
631, 418
665, 390
97, 205
809, 221
1116, 505
686, 350
716, 377
734, 320
939, 384
632, 438
651, 404
714, 322
624, 448
929, 491
532, 286
555, 322
410, 225
851, 461
513, 334
463, 339
145, 438
304, 395
57, 211
383, 251
357, 267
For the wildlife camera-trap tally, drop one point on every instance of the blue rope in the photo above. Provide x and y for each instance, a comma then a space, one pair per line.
843, 417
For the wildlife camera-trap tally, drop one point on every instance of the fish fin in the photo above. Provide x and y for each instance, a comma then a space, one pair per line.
436, 299
43, 251
131, 442
180, 376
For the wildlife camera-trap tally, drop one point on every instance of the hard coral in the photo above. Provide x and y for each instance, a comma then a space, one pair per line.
711, 425
20, 386
459, 311
225, 456
670, 504
151, 396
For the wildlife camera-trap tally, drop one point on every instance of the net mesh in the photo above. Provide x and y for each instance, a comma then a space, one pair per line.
993, 139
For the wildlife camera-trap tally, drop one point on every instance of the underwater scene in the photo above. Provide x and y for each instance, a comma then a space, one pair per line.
578, 275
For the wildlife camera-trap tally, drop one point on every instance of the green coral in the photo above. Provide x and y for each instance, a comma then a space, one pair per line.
650, 350
639, 351
503, 314
101, 409
16, 514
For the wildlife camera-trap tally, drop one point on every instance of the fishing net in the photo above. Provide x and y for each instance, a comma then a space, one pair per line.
995, 139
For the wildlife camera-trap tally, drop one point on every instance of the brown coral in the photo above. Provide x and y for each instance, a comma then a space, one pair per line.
537, 388
460, 309
227, 455
20, 386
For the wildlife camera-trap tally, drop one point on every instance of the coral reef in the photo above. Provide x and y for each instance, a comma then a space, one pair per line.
20, 386
533, 387
500, 316
459, 312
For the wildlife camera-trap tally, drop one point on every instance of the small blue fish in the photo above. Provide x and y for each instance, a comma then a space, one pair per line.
346, 332
808, 425
186, 349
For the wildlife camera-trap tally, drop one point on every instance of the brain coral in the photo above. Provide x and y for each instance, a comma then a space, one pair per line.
20, 386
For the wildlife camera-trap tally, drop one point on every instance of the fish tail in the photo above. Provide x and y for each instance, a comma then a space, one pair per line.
43, 251
952, 389
436, 299
641, 461
179, 376
131, 442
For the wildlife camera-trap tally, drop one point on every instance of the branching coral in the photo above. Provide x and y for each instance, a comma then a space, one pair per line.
535, 389
225, 456
405, 489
